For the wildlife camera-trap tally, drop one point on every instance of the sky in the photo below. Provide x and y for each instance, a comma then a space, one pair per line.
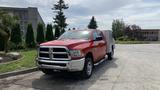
145, 13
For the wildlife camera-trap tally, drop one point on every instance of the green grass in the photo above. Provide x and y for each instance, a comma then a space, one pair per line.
27, 61
137, 42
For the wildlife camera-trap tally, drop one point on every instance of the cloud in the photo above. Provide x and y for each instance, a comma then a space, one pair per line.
141, 12
144, 14
98, 7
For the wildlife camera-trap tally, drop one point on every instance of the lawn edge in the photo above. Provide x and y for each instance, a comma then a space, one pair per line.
19, 72
13, 61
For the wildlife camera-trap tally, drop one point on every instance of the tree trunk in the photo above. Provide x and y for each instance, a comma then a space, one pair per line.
6, 38
6, 44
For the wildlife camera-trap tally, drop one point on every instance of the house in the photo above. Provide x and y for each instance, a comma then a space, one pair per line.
25, 16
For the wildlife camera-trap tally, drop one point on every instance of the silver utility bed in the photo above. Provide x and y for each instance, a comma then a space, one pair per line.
109, 39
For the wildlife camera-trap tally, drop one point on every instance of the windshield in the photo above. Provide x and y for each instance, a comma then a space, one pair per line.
75, 35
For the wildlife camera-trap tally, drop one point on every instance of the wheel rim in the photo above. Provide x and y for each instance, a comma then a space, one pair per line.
89, 68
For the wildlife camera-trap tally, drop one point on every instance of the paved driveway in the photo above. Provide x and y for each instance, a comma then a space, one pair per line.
135, 67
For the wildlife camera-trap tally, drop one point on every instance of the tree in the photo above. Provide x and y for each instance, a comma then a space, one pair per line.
40, 33
92, 23
16, 37
136, 32
6, 23
133, 32
118, 27
62, 31
57, 32
49, 33
29, 40
127, 31
60, 19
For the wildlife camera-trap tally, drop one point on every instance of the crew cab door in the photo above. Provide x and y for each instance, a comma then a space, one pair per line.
99, 46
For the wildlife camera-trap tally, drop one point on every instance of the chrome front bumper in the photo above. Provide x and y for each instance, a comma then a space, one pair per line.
71, 65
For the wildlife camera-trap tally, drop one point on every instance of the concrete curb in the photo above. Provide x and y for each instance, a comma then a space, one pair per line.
14, 73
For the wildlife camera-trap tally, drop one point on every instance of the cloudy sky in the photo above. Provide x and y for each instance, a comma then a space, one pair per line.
145, 13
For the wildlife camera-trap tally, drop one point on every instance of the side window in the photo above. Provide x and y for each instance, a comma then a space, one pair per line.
95, 35
100, 34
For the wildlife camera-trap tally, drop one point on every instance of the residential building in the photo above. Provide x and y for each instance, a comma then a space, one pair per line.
25, 16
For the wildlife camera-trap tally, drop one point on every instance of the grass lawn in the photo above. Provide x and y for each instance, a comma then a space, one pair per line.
27, 61
134, 42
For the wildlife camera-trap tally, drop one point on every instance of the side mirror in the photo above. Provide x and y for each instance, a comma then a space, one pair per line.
98, 39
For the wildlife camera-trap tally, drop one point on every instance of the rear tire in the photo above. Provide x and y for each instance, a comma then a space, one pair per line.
110, 55
88, 68
47, 71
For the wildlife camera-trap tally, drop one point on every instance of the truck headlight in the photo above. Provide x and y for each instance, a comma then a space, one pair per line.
76, 53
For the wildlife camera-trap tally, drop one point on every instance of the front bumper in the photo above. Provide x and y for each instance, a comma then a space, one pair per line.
70, 65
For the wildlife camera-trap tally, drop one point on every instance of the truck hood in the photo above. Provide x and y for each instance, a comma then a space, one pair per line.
67, 43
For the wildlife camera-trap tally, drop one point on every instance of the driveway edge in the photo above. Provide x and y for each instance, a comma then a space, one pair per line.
14, 73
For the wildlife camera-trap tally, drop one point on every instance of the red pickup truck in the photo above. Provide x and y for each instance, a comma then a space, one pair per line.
76, 50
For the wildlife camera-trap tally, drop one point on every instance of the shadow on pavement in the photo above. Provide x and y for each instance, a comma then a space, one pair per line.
70, 81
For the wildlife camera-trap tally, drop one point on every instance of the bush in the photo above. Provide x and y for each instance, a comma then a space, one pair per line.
13, 46
16, 34
21, 46
30, 42
121, 38
57, 31
124, 38
40, 33
49, 33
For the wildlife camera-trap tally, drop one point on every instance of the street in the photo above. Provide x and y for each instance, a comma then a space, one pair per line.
134, 67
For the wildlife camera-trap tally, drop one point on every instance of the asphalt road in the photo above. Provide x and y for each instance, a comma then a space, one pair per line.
135, 67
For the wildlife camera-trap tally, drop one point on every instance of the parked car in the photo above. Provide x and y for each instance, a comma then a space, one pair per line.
74, 51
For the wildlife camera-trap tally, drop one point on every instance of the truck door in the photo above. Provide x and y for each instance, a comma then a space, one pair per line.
95, 45
101, 45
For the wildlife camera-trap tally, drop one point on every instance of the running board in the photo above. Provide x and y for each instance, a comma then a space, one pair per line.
101, 61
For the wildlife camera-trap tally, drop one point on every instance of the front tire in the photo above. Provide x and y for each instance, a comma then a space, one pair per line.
47, 71
88, 68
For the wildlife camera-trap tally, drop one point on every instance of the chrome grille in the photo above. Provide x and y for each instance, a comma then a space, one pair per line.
44, 49
53, 53
45, 55
59, 50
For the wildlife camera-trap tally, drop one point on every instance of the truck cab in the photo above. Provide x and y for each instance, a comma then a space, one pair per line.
74, 51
